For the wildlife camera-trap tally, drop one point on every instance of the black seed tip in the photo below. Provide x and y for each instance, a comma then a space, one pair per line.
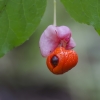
54, 60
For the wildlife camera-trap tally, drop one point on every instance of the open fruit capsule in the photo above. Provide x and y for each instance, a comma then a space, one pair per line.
61, 60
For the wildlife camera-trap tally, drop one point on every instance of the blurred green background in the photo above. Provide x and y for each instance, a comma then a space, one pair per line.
25, 67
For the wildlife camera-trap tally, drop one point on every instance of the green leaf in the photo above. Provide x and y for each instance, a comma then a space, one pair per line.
18, 20
84, 11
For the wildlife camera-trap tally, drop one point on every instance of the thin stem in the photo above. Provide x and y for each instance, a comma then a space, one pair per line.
54, 13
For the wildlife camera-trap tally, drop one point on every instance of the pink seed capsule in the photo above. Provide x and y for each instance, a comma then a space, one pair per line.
53, 37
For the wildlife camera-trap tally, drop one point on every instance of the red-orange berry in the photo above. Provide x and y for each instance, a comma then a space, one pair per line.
61, 60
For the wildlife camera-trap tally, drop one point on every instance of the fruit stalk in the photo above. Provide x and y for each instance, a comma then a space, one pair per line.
54, 13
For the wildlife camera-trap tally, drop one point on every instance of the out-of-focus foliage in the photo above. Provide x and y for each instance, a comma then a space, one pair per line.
84, 11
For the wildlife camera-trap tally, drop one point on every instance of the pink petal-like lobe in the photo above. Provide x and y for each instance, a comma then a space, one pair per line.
53, 36
71, 44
